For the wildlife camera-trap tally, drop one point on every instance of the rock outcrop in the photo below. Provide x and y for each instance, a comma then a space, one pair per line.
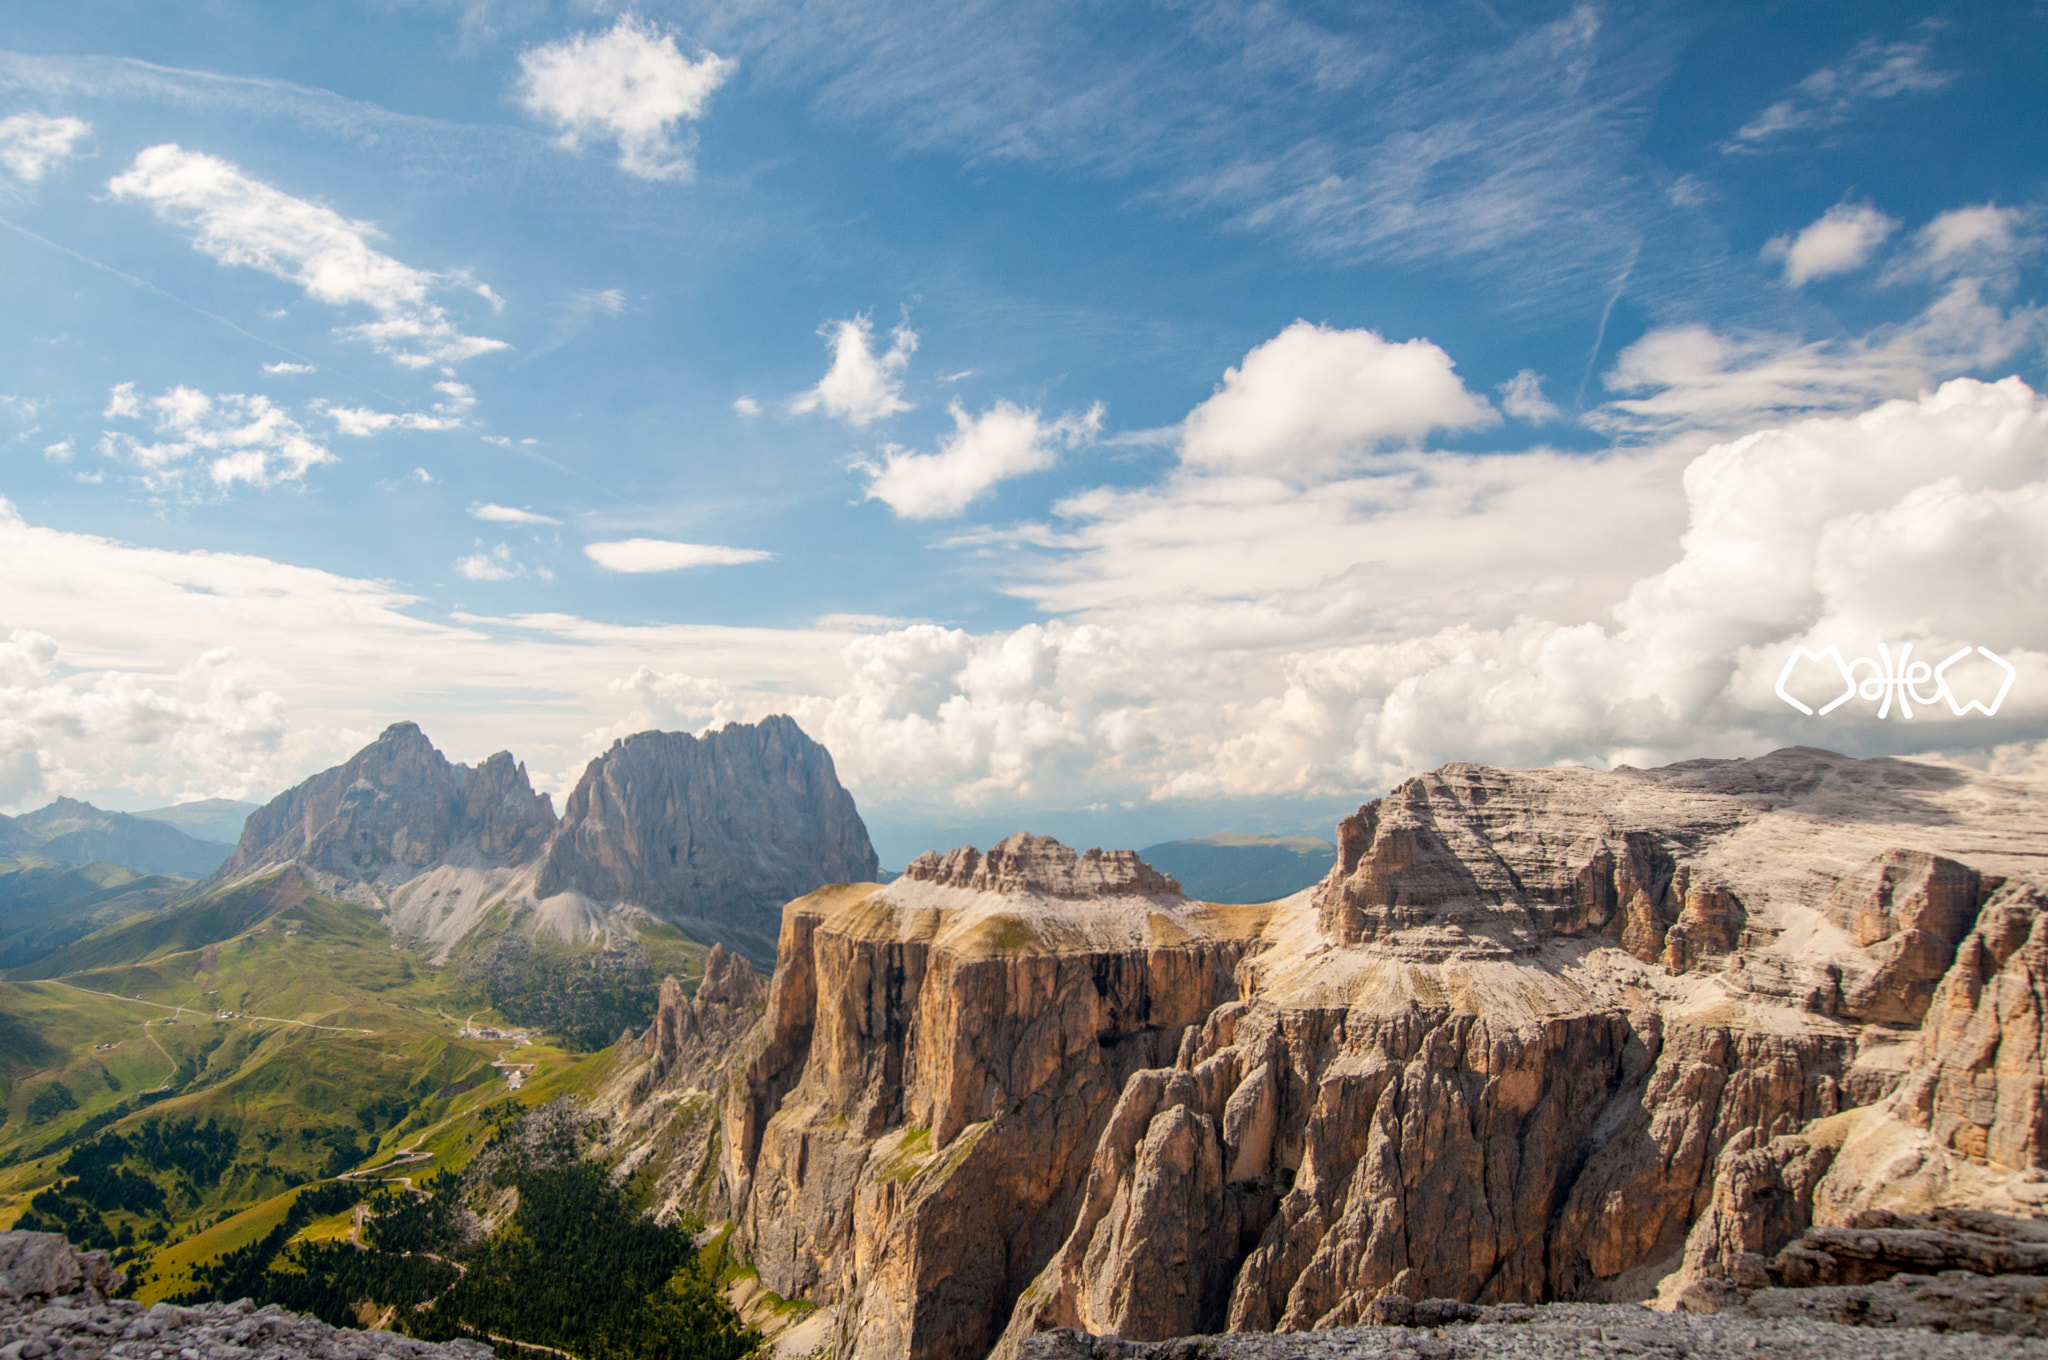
1539, 1035
53, 1302
711, 833
938, 1060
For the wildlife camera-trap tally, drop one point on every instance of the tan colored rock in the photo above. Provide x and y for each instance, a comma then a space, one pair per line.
1545, 1034
938, 1063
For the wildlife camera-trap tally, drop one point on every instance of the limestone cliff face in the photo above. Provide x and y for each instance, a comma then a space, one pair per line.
939, 1059
711, 833
1540, 1034
396, 807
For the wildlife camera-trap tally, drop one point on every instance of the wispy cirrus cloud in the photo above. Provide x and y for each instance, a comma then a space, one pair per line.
1832, 95
505, 514
240, 220
1416, 137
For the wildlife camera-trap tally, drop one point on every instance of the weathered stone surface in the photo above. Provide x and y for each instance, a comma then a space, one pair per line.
1838, 1328
938, 1063
1981, 1085
1540, 1035
711, 833
1040, 864
396, 807
53, 1303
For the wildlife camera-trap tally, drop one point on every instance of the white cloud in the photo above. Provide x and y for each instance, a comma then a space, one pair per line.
207, 715
360, 421
237, 438
1842, 240
746, 407
59, 452
1984, 241
610, 301
629, 84
634, 555
1830, 96
242, 221
1522, 397
31, 144
860, 387
505, 514
284, 368
489, 564
1002, 442
457, 400
1310, 402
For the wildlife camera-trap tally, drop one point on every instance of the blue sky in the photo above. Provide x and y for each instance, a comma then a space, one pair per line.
1172, 416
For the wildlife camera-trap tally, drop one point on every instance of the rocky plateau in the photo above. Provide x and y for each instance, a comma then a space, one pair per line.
1715, 1036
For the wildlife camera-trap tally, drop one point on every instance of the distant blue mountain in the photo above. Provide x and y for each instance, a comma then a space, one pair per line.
209, 819
72, 832
1229, 867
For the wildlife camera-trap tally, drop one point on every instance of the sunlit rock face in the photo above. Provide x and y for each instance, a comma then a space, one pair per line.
396, 807
710, 833
1534, 1032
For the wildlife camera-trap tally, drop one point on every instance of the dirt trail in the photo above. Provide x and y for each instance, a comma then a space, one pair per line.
207, 1013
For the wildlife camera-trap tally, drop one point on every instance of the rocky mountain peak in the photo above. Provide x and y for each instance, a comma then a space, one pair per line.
711, 833
1025, 863
394, 808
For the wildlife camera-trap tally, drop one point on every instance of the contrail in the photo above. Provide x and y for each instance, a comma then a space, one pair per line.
1600, 335
149, 287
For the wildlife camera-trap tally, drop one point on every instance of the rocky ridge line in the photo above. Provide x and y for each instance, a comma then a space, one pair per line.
1024, 863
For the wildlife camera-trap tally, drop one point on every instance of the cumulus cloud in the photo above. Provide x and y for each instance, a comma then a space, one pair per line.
1849, 531
861, 386
31, 144
746, 407
286, 369
1002, 442
1843, 239
635, 555
234, 437
505, 514
630, 85
1830, 96
489, 564
59, 452
1522, 397
207, 713
239, 220
1310, 402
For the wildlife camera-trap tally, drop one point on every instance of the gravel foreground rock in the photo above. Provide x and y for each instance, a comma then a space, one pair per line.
1558, 1331
53, 1303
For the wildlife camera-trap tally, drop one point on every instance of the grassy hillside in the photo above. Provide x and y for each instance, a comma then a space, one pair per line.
187, 1074
45, 904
